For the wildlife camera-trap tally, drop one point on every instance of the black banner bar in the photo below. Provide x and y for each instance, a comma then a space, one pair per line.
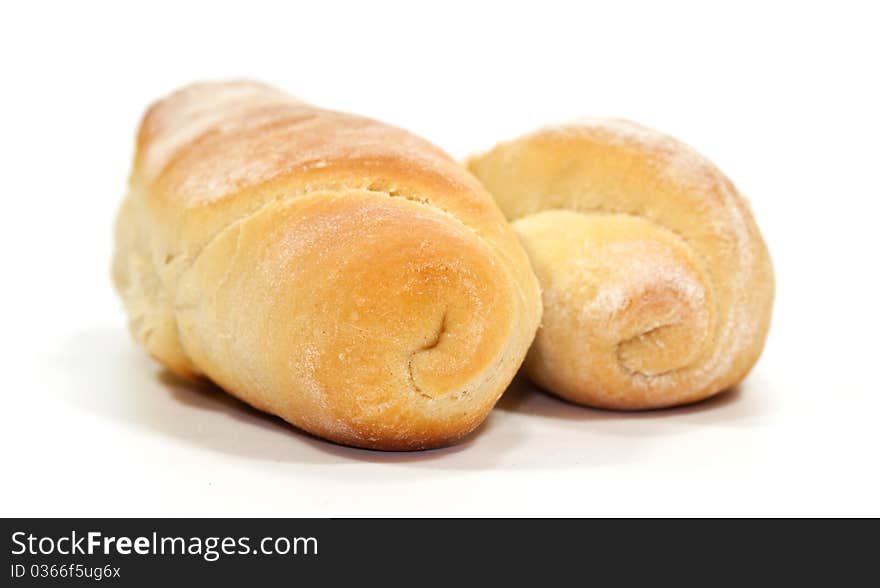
245, 552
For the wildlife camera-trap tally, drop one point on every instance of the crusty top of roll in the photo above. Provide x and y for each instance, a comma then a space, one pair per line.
334, 270
208, 146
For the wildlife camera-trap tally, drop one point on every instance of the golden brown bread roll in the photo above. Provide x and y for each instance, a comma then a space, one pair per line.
335, 271
657, 285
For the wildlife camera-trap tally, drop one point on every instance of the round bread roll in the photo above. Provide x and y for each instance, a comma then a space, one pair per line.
335, 271
657, 285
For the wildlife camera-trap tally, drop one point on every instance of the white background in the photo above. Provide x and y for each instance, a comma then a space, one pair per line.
783, 97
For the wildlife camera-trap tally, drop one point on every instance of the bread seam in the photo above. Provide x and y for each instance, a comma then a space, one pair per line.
440, 332
291, 196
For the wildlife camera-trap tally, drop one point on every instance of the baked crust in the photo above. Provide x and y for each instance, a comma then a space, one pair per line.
657, 285
335, 271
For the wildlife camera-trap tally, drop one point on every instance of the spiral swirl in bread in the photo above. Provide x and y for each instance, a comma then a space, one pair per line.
657, 285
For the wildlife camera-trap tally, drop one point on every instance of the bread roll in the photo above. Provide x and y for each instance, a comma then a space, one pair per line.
335, 271
657, 286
